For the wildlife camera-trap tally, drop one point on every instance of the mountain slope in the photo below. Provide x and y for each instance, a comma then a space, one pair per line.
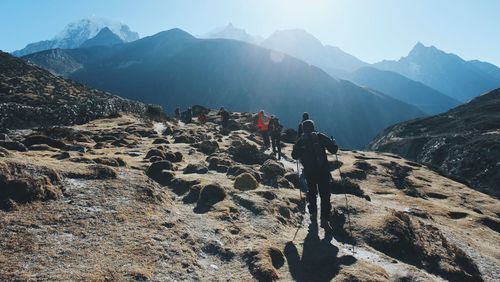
75, 34
232, 32
406, 90
445, 72
463, 142
105, 37
173, 68
127, 208
31, 96
300, 44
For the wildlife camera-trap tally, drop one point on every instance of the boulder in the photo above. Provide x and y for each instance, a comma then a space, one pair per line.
155, 153
245, 182
272, 169
208, 147
161, 141
236, 170
13, 146
246, 153
41, 139
156, 172
209, 196
195, 168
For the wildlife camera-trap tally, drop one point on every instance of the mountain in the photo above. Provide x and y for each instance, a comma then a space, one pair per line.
167, 201
404, 89
300, 44
463, 143
105, 37
31, 96
231, 32
75, 34
173, 68
447, 73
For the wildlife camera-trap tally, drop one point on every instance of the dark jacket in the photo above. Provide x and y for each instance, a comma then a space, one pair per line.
311, 148
275, 127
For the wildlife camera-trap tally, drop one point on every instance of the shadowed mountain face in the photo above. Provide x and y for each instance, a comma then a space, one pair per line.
463, 142
105, 37
31, 96
404, 89
448, 73
173, 69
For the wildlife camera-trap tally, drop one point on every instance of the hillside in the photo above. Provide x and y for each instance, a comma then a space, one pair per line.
447, 73
173, 68
404, 89
158, 201
463, 143
31, 96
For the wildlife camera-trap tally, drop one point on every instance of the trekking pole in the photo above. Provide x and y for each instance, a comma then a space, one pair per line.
346, 203
301, 202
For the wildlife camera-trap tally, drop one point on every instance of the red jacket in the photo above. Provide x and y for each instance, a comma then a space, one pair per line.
262, 122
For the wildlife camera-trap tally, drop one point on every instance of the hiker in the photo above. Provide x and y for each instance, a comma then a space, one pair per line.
224, 117
310, 150
262, 124
202, 117
275, 129
177, 113
188, 116
305, 116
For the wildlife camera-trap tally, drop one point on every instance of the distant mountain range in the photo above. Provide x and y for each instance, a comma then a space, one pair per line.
173, 68
463, 143
76, 34
231, 32
448, 73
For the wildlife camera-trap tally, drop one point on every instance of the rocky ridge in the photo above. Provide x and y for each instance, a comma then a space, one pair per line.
31, 96
125, 198
463, 143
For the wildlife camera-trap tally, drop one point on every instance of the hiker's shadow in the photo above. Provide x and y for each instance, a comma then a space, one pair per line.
319, 261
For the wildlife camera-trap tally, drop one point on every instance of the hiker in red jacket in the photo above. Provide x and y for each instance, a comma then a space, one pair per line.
263, 125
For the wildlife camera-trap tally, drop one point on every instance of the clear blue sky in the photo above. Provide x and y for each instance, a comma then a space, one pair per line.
371, 29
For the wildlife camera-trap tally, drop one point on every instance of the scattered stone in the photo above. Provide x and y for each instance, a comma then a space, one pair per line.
115, 162
158, 171
219, 163
193, 195
209, 196
161, 141
41, 147
348, 187
180, 186
41, 139
62, 156
208, 147
155, 153
272, 169
293, 178
185, 139
236, 170
245, 182
195, 168
215, 248
246, 153
13, 146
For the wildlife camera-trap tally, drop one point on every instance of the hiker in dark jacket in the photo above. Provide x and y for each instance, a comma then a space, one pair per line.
305, 116
188, 117
177, 113
310, 149
224, 117
275, 129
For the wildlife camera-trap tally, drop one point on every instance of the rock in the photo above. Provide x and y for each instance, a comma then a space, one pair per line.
208, 147
423, 245
293, 178
41, 147
178, 156
62, 156
102, 172
104, 138
195, 168
155, 153
209, 196
284, 183
13, 146
245, 182
246, 153
272, 169
219, 163
348, 187
236, 170
120, 143
116, 162
4, 152
155, 159
180, 186
41, 139
156, 169
167, 131
185, 139
193, 195
4, 137
161, 141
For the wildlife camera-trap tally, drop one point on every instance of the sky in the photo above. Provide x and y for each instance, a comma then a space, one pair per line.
372, 30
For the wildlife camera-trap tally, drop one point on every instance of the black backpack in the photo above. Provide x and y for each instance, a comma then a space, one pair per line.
313, 154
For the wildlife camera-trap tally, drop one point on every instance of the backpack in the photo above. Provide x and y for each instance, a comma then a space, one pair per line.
313, 154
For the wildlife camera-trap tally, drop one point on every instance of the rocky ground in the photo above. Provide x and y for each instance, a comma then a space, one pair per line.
463, 143
128, 199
